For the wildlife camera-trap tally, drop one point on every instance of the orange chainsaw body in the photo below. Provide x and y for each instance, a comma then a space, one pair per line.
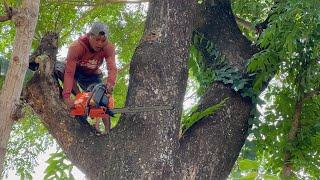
82, 107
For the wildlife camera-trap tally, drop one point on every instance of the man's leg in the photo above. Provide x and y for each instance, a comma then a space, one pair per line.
86, 81
59, 73
96, 125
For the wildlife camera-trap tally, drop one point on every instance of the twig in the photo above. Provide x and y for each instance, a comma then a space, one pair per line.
246, 24
8, 12
311, 94
124, 68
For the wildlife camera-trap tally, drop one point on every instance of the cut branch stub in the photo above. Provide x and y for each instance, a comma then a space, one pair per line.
48, 46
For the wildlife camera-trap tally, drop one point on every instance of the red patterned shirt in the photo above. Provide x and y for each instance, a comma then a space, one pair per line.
86, 61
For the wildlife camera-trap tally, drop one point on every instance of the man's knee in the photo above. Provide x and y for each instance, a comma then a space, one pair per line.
59, 69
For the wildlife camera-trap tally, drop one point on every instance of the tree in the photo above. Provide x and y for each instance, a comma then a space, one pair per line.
211, 143
163, 154
25, 20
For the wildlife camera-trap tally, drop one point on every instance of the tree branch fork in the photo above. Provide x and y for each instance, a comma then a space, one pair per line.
42, 95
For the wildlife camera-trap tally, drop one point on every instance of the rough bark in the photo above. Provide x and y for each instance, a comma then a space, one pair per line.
147, 145
25, 19
213, 144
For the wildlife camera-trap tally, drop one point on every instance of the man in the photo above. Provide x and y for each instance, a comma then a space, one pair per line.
84, 58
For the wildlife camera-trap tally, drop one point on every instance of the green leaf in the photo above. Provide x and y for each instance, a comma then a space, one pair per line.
246, 165
270, 177
193, 116
250, 176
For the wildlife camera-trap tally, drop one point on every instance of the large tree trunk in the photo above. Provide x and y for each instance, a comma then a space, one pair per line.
25, 19
147, 145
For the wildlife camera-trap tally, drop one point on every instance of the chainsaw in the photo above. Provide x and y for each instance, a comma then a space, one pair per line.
97, 103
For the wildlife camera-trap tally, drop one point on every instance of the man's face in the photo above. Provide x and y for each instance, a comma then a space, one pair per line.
97, 42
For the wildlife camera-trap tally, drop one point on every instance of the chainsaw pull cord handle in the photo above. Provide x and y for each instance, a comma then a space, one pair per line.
87, 110
89, 99
87, 104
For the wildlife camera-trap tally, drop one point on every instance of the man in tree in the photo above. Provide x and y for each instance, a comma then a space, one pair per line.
85, 56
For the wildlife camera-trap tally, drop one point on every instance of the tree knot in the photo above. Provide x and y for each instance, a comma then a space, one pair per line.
153, 35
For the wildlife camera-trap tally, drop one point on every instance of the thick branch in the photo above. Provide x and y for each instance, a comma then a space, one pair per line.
211, 146
219, 25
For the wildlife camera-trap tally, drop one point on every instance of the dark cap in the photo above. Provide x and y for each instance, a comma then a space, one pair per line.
98, 28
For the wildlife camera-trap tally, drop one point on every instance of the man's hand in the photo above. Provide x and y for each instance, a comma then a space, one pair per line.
69, 102
109, 88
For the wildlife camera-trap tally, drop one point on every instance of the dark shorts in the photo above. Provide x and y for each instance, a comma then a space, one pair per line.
83, 80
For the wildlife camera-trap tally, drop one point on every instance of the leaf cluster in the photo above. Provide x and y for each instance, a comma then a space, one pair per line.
208, 65
28, 139
58, 167
289, 57
194, 115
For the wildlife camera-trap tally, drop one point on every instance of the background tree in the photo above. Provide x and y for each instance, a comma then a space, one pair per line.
25, 19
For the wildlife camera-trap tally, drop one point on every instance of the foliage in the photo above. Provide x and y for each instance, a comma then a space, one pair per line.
58, 168
254, 11
6, 40
290, 57
7, 32
207, 65
246, 169
193, 115
290, 42
28, 139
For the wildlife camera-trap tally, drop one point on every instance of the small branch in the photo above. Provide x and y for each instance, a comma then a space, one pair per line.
76, 22
124, 68
8, 12
246, 24
287, 167
191, 96
263, 25
4, 18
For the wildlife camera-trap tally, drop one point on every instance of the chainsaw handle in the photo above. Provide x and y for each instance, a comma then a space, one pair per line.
110, 112
87, 110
